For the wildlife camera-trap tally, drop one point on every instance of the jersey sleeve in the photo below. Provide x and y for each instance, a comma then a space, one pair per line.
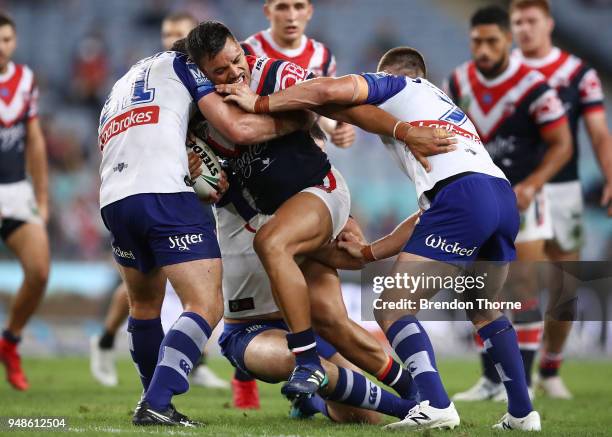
546, 108
194, 80
591, 92
329, 66
382, 86
33, 103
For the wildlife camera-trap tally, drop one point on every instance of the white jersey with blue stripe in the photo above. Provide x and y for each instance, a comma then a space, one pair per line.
422, 104
143, 127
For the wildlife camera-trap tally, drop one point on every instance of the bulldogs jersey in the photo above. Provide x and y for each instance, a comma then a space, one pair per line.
579, 89
422, 104
143, 127
311, 54
18, 105
509, 112
276, 170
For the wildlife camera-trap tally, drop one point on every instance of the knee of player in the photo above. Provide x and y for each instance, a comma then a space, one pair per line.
38, 276
268, 243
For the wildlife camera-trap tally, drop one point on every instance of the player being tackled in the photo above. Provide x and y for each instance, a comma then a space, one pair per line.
465, 198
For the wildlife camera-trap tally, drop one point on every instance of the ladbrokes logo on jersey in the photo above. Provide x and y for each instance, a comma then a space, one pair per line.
121, 123
182, 242
437, 242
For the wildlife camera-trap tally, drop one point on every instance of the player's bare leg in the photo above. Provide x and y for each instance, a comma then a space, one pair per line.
268, 359
301, 225
331, 321
102, 354
558, 326
30, 245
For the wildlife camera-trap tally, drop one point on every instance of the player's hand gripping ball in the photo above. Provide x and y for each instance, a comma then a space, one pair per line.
207, 180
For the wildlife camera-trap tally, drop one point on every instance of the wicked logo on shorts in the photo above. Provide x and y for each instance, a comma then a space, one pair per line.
437, 242
182, 242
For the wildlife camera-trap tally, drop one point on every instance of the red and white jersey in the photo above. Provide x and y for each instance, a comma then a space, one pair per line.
423, 104
579, 89
18, 105
311, 54
510, 112
143, 127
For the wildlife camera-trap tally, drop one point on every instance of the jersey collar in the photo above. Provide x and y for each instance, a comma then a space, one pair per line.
10, 70
554, 54
513, 67
290, 53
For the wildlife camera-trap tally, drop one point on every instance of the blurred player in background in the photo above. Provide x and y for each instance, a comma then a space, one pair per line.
102, 354
24, 208
580, 89
285, 39
523, 124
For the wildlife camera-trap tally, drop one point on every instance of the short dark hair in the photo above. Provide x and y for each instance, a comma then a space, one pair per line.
207, 39
5, 20
491, 15
181, 16
544, 5
405, 58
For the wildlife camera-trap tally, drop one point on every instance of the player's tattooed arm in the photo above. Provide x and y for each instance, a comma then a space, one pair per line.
388, 246
558, 140
597, 127
243, 128
36, 158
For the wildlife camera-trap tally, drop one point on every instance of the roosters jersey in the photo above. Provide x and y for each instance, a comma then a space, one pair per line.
18, 105
143, 127
509, 112
275, 170
422, 104
311, 54
579, 89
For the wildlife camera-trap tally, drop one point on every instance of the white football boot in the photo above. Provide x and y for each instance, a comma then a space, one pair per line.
530, 422
483, 390
553, 387
424, 416
102, 363
203, 376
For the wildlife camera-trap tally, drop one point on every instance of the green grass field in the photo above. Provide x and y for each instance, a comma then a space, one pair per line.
63, 387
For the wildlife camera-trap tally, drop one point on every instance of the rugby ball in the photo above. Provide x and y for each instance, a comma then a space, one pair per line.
207, 183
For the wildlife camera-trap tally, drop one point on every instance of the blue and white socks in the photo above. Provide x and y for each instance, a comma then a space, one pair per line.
178, 353
354, 389
501, 343
145, 338
412, 345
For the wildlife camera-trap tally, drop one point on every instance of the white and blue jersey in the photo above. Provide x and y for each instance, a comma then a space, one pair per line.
422, 104
154, 217
470, 208
143, 127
